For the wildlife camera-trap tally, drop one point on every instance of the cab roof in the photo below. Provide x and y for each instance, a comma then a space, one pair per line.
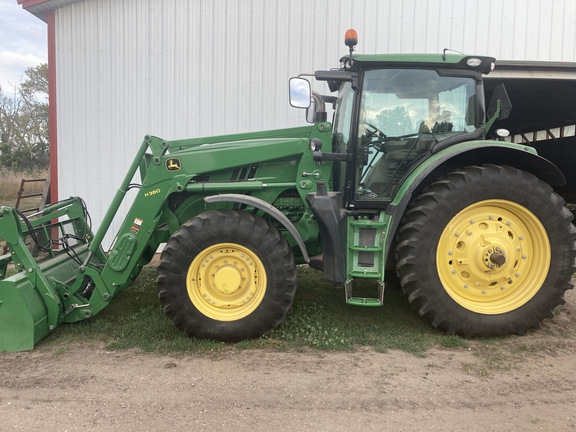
435, 61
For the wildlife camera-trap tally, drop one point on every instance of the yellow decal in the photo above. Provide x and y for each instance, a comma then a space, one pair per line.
173, 164
152, 192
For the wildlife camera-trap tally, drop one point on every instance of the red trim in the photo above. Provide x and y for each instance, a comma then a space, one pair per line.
29, 3
53, 123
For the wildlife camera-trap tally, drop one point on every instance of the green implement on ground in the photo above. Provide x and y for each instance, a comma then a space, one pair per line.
404, 177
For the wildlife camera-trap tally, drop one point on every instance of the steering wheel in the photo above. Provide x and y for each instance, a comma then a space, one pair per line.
373, 136
374, 131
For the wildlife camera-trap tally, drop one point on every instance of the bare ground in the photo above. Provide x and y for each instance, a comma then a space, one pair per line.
518, 384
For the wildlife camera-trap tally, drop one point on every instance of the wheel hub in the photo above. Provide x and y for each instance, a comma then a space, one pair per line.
227, 279
498, 259
493, 256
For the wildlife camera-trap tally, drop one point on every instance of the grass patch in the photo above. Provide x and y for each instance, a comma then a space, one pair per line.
319, 319
10, 184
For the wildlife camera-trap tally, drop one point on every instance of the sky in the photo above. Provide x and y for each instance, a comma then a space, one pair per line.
23, 43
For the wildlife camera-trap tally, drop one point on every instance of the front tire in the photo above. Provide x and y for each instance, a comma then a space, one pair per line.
486, 251
226, 275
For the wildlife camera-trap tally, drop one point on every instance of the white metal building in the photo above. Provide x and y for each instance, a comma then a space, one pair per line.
120, 69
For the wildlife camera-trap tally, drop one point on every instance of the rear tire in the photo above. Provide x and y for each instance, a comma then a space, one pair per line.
486, 251
226, 275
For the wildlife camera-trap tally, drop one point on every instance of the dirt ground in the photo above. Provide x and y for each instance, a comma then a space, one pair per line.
525, 384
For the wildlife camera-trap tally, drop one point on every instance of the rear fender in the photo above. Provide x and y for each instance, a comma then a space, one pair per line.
461, 155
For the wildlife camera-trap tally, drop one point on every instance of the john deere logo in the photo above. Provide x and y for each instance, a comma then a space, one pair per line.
173, 165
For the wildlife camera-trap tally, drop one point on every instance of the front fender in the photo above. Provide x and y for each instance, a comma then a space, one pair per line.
267, 208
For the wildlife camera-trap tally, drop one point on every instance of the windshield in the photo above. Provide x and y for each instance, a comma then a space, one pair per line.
403, 114
403, 101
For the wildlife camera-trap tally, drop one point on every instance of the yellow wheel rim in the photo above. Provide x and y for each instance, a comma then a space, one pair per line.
493, 256
226, 282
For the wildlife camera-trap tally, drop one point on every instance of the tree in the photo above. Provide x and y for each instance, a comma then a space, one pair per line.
395, 121
24, 133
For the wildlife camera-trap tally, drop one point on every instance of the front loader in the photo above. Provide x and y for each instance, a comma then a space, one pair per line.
403, 176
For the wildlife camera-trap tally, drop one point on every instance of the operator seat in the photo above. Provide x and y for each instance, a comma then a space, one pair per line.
401, 151
425, 139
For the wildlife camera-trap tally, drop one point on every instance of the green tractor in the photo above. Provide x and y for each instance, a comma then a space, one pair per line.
403, 177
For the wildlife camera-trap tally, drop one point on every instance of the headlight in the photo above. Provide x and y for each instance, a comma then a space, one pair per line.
315, 144
473, 62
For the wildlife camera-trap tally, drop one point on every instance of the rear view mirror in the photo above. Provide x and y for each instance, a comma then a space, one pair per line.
501, 95
300, 93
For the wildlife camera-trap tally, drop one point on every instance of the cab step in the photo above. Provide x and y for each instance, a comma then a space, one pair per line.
364, 301
361, 301
366, 247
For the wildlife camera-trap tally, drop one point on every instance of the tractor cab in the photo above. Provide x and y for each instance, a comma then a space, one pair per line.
400, 115
392, 112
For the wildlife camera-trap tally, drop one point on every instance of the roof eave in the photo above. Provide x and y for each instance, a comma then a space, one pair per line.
41, 8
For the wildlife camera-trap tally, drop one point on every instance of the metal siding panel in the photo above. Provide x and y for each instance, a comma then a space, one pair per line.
532, 31
557, 28
239, 74
479, 20
444, 35
407, 18
282, 47
256, 78
394, 27
419, 41
332, 16
569, 34
157, 69
470, 24
457, 28
167, 67
180, 69
370, 21
512, 30
204, 100
433, 27
265, 111
545, 30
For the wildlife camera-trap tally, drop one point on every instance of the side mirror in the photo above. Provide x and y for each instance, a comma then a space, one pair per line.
300, 93
505, 106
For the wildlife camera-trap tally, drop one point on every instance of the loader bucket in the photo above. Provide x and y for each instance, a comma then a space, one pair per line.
23, 316
46, 256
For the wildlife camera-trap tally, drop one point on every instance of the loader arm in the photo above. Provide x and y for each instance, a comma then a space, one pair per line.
64, 275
